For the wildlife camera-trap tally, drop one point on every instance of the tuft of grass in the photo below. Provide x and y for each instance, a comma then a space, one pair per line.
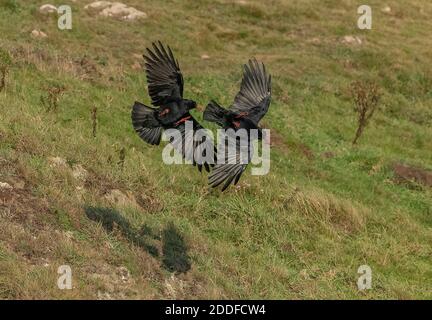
329, 210
94, 120
5, 64
366, 98
53, 94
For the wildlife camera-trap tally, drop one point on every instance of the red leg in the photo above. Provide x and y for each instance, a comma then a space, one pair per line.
182, 120
164, 112
236, 124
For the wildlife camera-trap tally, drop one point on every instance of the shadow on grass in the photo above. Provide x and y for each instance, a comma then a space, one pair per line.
111, 218
175, 256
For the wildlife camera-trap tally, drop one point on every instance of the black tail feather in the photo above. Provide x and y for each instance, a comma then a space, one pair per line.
145, 123
215, 113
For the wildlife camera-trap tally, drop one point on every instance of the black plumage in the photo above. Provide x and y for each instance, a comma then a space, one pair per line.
165, 87
250, 105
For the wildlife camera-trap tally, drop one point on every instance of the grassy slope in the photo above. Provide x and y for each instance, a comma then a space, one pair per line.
300, 232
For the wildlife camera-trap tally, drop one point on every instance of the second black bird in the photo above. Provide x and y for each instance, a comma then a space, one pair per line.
250, 105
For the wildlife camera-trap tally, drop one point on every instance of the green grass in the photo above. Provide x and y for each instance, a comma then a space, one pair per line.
301, 231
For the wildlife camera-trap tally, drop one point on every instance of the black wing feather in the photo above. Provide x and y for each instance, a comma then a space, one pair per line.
234, 164
164, 78
255, 91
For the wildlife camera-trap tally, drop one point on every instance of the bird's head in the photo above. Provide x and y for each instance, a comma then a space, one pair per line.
190, 104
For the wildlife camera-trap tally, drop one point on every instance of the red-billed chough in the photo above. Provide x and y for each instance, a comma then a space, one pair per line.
249, 106
165, 87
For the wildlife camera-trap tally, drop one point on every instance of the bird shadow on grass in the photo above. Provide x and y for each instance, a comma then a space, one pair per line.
175, 257
174, 249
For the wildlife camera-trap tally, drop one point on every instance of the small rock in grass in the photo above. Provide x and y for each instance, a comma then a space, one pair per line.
205, 57
386, 9
79, 173
116, 10
133, 14
98, 5
38, 34
5, 186
47, 9
352, 40
57, 162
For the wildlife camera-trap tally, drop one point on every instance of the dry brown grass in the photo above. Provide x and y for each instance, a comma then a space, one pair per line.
5, 63
53, 95
3, 74
94, 120
366, 97
325, 208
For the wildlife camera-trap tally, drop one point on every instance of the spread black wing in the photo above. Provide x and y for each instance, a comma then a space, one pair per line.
255, 92
236, 157
194, 149
164, 78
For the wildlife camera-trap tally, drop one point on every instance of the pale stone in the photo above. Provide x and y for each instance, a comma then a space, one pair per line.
57, 162
386, 9
38, 34
79, 173
116, 10
5, 186
98, 5
47, 9
352, 40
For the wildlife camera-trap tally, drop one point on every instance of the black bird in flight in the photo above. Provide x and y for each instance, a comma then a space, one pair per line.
249, 106
165, 87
